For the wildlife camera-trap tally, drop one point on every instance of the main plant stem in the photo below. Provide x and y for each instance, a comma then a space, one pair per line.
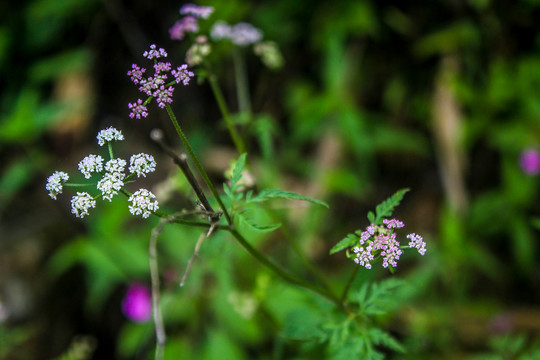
237, 140
242, 87
197, 163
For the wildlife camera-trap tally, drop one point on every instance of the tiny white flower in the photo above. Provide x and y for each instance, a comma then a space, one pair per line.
114, 166
55, 183
81, 203
143, 203
142, 164
110, 184
91, 163
109, 134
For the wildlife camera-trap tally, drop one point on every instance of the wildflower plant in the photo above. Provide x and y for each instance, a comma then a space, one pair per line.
113, 178
231, 210
379, 240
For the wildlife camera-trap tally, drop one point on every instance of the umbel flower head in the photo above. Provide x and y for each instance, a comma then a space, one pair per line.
108, 135
81, 203
112, 180
158, 86
241, 34
380, 242
55, 183
90, 164
143, 203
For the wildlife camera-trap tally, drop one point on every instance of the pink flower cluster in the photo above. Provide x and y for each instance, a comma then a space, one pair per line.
156, 86
379, 241
189, 23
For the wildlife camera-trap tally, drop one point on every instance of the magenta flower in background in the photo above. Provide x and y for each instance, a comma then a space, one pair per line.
530, 161
137, 304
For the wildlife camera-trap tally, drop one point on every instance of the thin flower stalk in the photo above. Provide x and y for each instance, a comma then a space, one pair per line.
197, 163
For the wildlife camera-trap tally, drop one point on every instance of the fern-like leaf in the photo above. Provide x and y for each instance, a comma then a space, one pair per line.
267, 194
347, 242
386, 208
380, 337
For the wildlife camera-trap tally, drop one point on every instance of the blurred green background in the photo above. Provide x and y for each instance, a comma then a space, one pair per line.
441, 97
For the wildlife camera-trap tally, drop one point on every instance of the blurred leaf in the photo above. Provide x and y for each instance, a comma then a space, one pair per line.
17, 175
303, 325
378, 298
219, 346
450, 39
379, 337
132, 338
268, 194
523, 243
20, 124
61, 64
264, 129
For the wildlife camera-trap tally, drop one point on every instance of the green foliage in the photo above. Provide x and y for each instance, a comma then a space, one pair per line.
354, 336
378, 298
11, 339
386, 208
268, 194
511, 346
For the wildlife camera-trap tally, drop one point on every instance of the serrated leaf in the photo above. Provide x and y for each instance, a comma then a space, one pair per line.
386, 208
378, 298
267, 194
237, 171
380, 337
244, 221
371, 217
348, 241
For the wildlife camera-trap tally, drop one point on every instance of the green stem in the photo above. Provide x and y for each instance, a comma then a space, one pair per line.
348, 286
197, 162
242, 87
311, 267
77, 185
284, 275
237, 140
109, 146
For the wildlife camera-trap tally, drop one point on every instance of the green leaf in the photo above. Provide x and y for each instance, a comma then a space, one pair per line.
237, 171
371, 217
280, 194
386, 208
379, 298
348, 241
380, 337
244, 222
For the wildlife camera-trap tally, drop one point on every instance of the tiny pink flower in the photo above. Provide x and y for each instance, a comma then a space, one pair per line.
137, 304
182, 74
186, 24
138, 110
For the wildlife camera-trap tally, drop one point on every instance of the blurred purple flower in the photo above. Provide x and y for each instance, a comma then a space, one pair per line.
530, 161
137, 304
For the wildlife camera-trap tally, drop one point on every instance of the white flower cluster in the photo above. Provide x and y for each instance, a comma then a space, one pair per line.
112, 181
241, 34
81, 203
55, 183
91, 163
109, 134
142, 164
143, 203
